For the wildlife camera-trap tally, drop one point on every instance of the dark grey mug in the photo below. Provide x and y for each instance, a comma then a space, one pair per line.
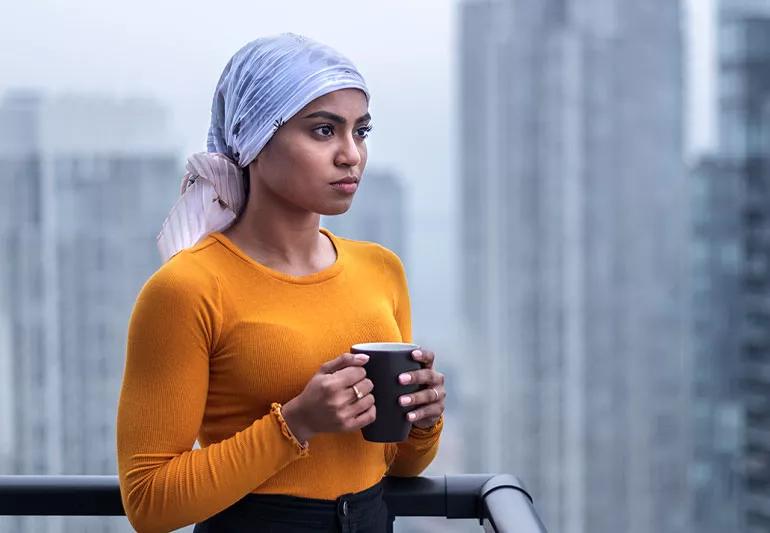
388, 360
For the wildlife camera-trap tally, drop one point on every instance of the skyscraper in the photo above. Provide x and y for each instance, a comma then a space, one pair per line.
89, 181
575, 272
732, 282
717, 406
744, 118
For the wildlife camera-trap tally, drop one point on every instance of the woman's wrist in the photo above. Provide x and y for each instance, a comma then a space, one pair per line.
295, 421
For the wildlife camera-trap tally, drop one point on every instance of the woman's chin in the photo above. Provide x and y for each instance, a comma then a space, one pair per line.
332, 210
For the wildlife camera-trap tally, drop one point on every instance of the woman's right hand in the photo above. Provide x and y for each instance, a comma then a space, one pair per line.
328, 403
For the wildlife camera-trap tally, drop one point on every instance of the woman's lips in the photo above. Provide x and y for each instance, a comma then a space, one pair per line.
347, 188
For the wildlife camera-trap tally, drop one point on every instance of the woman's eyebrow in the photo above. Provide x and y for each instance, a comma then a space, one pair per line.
336, 118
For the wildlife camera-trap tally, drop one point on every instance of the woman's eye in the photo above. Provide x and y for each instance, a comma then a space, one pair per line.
364, 131
324, 130
328, 131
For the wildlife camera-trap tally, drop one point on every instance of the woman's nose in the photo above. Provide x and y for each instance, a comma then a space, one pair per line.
349, 152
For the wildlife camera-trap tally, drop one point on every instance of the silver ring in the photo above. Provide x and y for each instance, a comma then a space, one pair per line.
434, 390
358, 393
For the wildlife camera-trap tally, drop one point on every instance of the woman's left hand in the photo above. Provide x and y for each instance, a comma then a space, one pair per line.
429, 402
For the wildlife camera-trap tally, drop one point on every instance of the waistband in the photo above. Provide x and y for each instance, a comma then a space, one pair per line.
372, 493
348, 508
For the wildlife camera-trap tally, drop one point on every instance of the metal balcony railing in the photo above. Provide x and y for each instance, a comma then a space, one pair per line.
499, 501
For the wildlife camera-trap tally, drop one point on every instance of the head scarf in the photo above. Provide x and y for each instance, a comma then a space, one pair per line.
263, 85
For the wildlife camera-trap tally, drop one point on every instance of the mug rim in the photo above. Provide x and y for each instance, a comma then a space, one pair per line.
385, 346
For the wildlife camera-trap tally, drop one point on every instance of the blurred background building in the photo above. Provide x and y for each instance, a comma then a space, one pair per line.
86, 183
574, 200
731, 260
717, 408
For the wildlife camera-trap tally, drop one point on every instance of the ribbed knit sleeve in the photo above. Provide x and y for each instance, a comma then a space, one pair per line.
164, 483
411, 457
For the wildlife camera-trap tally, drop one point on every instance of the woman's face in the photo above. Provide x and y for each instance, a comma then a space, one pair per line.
321, 144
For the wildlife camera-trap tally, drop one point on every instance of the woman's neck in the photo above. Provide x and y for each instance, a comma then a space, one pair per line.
288, 244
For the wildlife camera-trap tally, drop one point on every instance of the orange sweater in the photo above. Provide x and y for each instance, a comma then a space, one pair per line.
215, 339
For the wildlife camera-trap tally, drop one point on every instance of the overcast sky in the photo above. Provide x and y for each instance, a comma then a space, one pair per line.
700, 63
175, 51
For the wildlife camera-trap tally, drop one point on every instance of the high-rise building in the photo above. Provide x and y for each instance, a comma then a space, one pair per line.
574, 271
717, 253
33, 436
732, 285
87, 182
744, 119
377, 214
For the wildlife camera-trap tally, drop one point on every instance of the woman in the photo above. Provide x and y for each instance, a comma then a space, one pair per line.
240, 339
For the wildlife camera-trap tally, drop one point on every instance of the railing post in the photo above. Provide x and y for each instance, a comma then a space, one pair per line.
506, 507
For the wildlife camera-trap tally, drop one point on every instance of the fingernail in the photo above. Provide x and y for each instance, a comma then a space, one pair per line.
406, 400
411, 416
362, 357
417, 354
405, 378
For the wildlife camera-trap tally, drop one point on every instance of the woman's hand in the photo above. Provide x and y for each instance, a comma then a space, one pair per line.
429, 402
328, 404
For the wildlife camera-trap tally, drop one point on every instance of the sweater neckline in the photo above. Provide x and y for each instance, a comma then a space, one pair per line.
308, 279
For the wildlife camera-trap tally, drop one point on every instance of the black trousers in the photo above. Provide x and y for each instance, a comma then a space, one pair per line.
358, 512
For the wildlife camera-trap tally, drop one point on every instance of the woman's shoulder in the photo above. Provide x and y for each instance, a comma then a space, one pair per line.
185, 274
378, 253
